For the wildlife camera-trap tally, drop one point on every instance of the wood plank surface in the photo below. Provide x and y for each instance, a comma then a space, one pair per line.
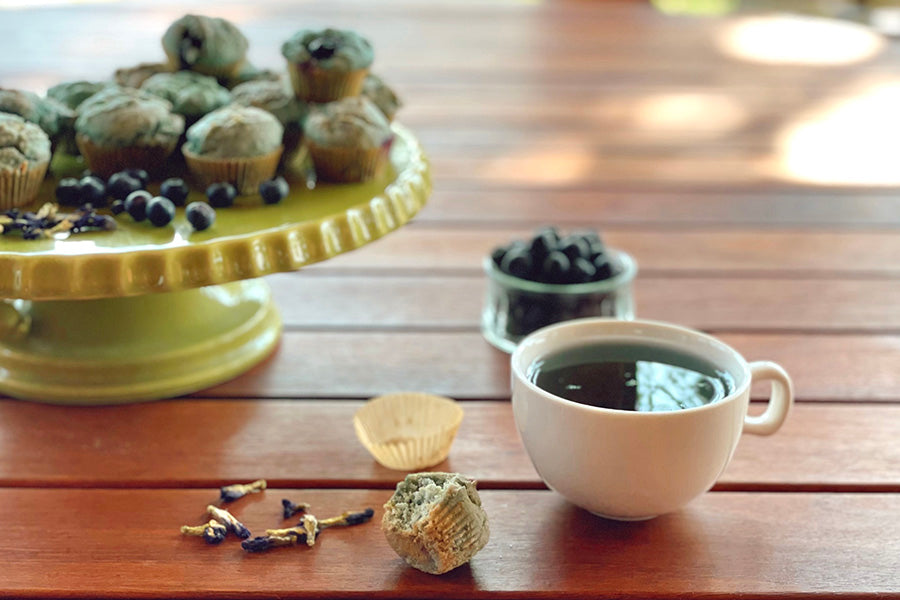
824, 447
799, 253
361, 364
319, 300
455, 203
712, 548
760, 199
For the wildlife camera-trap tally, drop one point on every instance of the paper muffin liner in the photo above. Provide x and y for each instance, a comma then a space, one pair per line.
244, 173
313, 84
19, 187
105, 161
348, 165
457, 526
408, 431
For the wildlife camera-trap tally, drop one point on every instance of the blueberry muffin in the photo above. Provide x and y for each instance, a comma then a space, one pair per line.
56, 119
208, 45
135, 76
277, 98
120, 128
435, 521
24, 158
327, 65
73, 93
376, 90
192, 95
238, 144
349, 140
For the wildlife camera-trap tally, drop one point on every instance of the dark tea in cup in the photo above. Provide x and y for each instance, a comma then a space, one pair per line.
629, 376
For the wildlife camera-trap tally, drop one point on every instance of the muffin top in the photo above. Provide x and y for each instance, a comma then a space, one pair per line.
191, 94
277, 97
124, 117
235, 132
201, 42
21, 143
49, 114
138, 74
376, 90
332, 49
73, 93
350, 122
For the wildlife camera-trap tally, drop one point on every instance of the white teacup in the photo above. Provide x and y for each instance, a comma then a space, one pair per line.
630, 465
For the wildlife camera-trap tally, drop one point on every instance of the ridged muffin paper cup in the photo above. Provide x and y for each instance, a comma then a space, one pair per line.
105, 161
244, 173
19, 187
349, 165
408, 431
312, 84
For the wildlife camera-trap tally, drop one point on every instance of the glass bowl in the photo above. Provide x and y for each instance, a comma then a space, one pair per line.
515, 307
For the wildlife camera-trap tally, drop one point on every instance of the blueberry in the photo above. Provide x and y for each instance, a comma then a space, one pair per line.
136, 204
160, 211
175, 189
117, 207
575, 247
597, 248
543, 243
516, 263
92, 190
604, 269
582, 271
498, 254
139, 174
273, 191
121, 184
321, 48
555, 267
200, 215
221, 195
68, 191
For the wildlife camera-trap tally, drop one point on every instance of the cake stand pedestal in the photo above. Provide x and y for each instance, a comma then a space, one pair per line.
144, 313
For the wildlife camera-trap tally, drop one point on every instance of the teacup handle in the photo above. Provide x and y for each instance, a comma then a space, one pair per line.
780, 398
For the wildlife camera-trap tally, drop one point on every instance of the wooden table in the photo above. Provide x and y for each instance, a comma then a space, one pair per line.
759, 198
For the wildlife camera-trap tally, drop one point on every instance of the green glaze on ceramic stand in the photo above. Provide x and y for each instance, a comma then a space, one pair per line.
117, 350
142, 312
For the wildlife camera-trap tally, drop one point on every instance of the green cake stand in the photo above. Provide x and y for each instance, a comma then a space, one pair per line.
143, 313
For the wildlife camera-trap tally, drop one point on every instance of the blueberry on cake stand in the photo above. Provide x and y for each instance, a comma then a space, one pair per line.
143, 313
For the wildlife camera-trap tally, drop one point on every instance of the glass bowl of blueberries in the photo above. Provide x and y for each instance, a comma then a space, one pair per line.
551, 278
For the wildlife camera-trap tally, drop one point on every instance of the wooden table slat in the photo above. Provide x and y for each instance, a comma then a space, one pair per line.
361, 364
305, 443
126, 543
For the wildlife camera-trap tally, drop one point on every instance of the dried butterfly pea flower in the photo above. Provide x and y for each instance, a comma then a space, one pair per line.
230, 493
290, 509
212, 532
233, 525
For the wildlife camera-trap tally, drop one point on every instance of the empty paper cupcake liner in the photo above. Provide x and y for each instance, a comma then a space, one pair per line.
408, 431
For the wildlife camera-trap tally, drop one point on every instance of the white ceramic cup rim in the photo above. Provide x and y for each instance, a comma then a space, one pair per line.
593, 326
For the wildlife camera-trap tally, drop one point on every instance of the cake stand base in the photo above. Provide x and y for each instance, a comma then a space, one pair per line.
120, 350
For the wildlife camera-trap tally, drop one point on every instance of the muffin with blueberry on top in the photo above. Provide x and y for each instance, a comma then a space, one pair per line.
120, 128
24, 158
208, 45
240, 145
327, 65
349, 140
